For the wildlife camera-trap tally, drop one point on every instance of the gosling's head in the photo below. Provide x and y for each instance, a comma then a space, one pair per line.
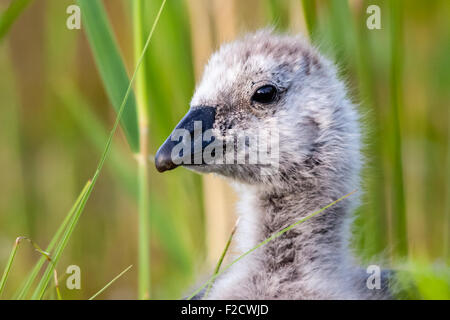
272, 95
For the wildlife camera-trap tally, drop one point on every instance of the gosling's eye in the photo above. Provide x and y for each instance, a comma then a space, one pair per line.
265, 94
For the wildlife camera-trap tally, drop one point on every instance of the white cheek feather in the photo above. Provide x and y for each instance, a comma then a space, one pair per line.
247, 235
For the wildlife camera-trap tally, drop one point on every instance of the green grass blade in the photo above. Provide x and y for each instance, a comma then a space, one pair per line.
45, 255
278, 13
374, 213
144, 271
110, 283
446, 248
396, 84
222, 257
169, 216
58, 292
110, 65
164, 59
33, 274
274, 236
309, 11
9, 265
139, 31
40, 289
10, 15
82, 112
355, 43
342, 33
42, 285
94, 130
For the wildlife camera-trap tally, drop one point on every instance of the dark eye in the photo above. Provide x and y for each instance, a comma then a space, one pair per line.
265, 94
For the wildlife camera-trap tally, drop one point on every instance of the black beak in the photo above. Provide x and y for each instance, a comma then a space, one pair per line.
164, 159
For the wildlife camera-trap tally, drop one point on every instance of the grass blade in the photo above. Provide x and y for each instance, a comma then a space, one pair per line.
110, 65
10, 15
31, 278
341, 32
144, 272
396, 83
82, 112
353, 42
58, 292
219, 263
373, 214
45, 255
278, 13
274, 236
42, 285
110, 283
446, 248
309, 11
40, 289
124, 172
9, 265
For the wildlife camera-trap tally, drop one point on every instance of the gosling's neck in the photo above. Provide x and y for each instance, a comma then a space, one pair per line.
312, 254
324, 236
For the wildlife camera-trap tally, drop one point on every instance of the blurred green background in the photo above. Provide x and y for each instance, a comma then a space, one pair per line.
55, 115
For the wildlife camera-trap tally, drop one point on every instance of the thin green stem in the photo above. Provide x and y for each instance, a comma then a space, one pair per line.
144, 236
40, 289
110, 283
9, 265
11, 14
58, 292
446, 248
274, 236
44, 254
42, 285
309, 11
144, 281
110, 66
219, 263
396, 83
375, 213
32, 276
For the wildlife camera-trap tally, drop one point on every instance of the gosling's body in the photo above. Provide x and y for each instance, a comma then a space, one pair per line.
312, 261
319, 162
